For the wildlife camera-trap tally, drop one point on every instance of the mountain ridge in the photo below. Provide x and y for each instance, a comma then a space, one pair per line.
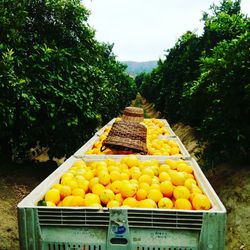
134, 67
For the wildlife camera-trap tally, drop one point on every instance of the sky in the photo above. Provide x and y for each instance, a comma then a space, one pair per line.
142, 30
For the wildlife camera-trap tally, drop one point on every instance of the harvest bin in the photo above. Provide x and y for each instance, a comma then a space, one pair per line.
83, 228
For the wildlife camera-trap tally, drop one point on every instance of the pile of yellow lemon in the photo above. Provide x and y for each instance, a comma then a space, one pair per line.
156, 143
129, 183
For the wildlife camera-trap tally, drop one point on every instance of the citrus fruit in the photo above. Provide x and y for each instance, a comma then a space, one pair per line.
155, 195
177, 178
141, 194
127, 189
201, 202
52, 195
50, 204
145, 178
78, 192
189, 183
164, 176
98, 189
116, 186
167, 188
183, 167
147, 203
113, 203
91, 199
181, 192
106, 196
130, 201
182, 203
77, 201
165, 203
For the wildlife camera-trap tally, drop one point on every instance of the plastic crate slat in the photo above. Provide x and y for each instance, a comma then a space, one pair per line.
160, 223
166, 220
164, 215
167, 227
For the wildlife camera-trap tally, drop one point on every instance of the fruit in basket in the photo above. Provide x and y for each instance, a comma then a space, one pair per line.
77, 201
183, 167
131, 161
165, 203
106, 196
164, 176
118, 197
177, 178
201, 202
104, 177
84, 184
145, 178
129, 183
91, 199
78, 192
189, 183
113, 203
181, 192
141, 194
53, 195
128, 189
50, 204
167, 188
92, 182
147, 203
182, 203
98, 188
155, 195
130, 202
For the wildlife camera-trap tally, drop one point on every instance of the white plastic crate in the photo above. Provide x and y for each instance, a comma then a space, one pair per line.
106, 229
89, 144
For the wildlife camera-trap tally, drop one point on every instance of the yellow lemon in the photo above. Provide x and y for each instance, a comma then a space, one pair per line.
147, 203
141, 194
106, 196
201, 202
98, 189
78, 192
52, 195
181, 192
130, 201
167, 188
155, 195
165, 203
182, 203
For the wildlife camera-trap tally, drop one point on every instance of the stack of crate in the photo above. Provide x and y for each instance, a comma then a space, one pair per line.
85, 228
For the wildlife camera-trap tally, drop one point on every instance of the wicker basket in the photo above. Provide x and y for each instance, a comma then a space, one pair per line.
133, 114
127, 137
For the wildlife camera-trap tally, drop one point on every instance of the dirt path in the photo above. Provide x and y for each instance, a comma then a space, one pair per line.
16, 181
231, 183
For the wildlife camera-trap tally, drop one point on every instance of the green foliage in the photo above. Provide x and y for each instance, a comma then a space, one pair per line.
57, 82
204, 81
223, 93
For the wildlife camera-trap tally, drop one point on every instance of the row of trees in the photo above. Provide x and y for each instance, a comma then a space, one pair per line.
204, 81
57, 82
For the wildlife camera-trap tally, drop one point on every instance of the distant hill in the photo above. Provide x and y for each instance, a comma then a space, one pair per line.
135, 68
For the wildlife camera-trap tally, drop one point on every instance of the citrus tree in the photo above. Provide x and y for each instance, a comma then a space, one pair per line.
57, 82
204, 82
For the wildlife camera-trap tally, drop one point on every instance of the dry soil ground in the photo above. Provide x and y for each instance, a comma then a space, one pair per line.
231, 183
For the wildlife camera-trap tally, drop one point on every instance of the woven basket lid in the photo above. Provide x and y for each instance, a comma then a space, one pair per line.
127, 136
133, 114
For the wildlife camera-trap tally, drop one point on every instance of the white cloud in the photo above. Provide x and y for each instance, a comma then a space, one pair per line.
142, 30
